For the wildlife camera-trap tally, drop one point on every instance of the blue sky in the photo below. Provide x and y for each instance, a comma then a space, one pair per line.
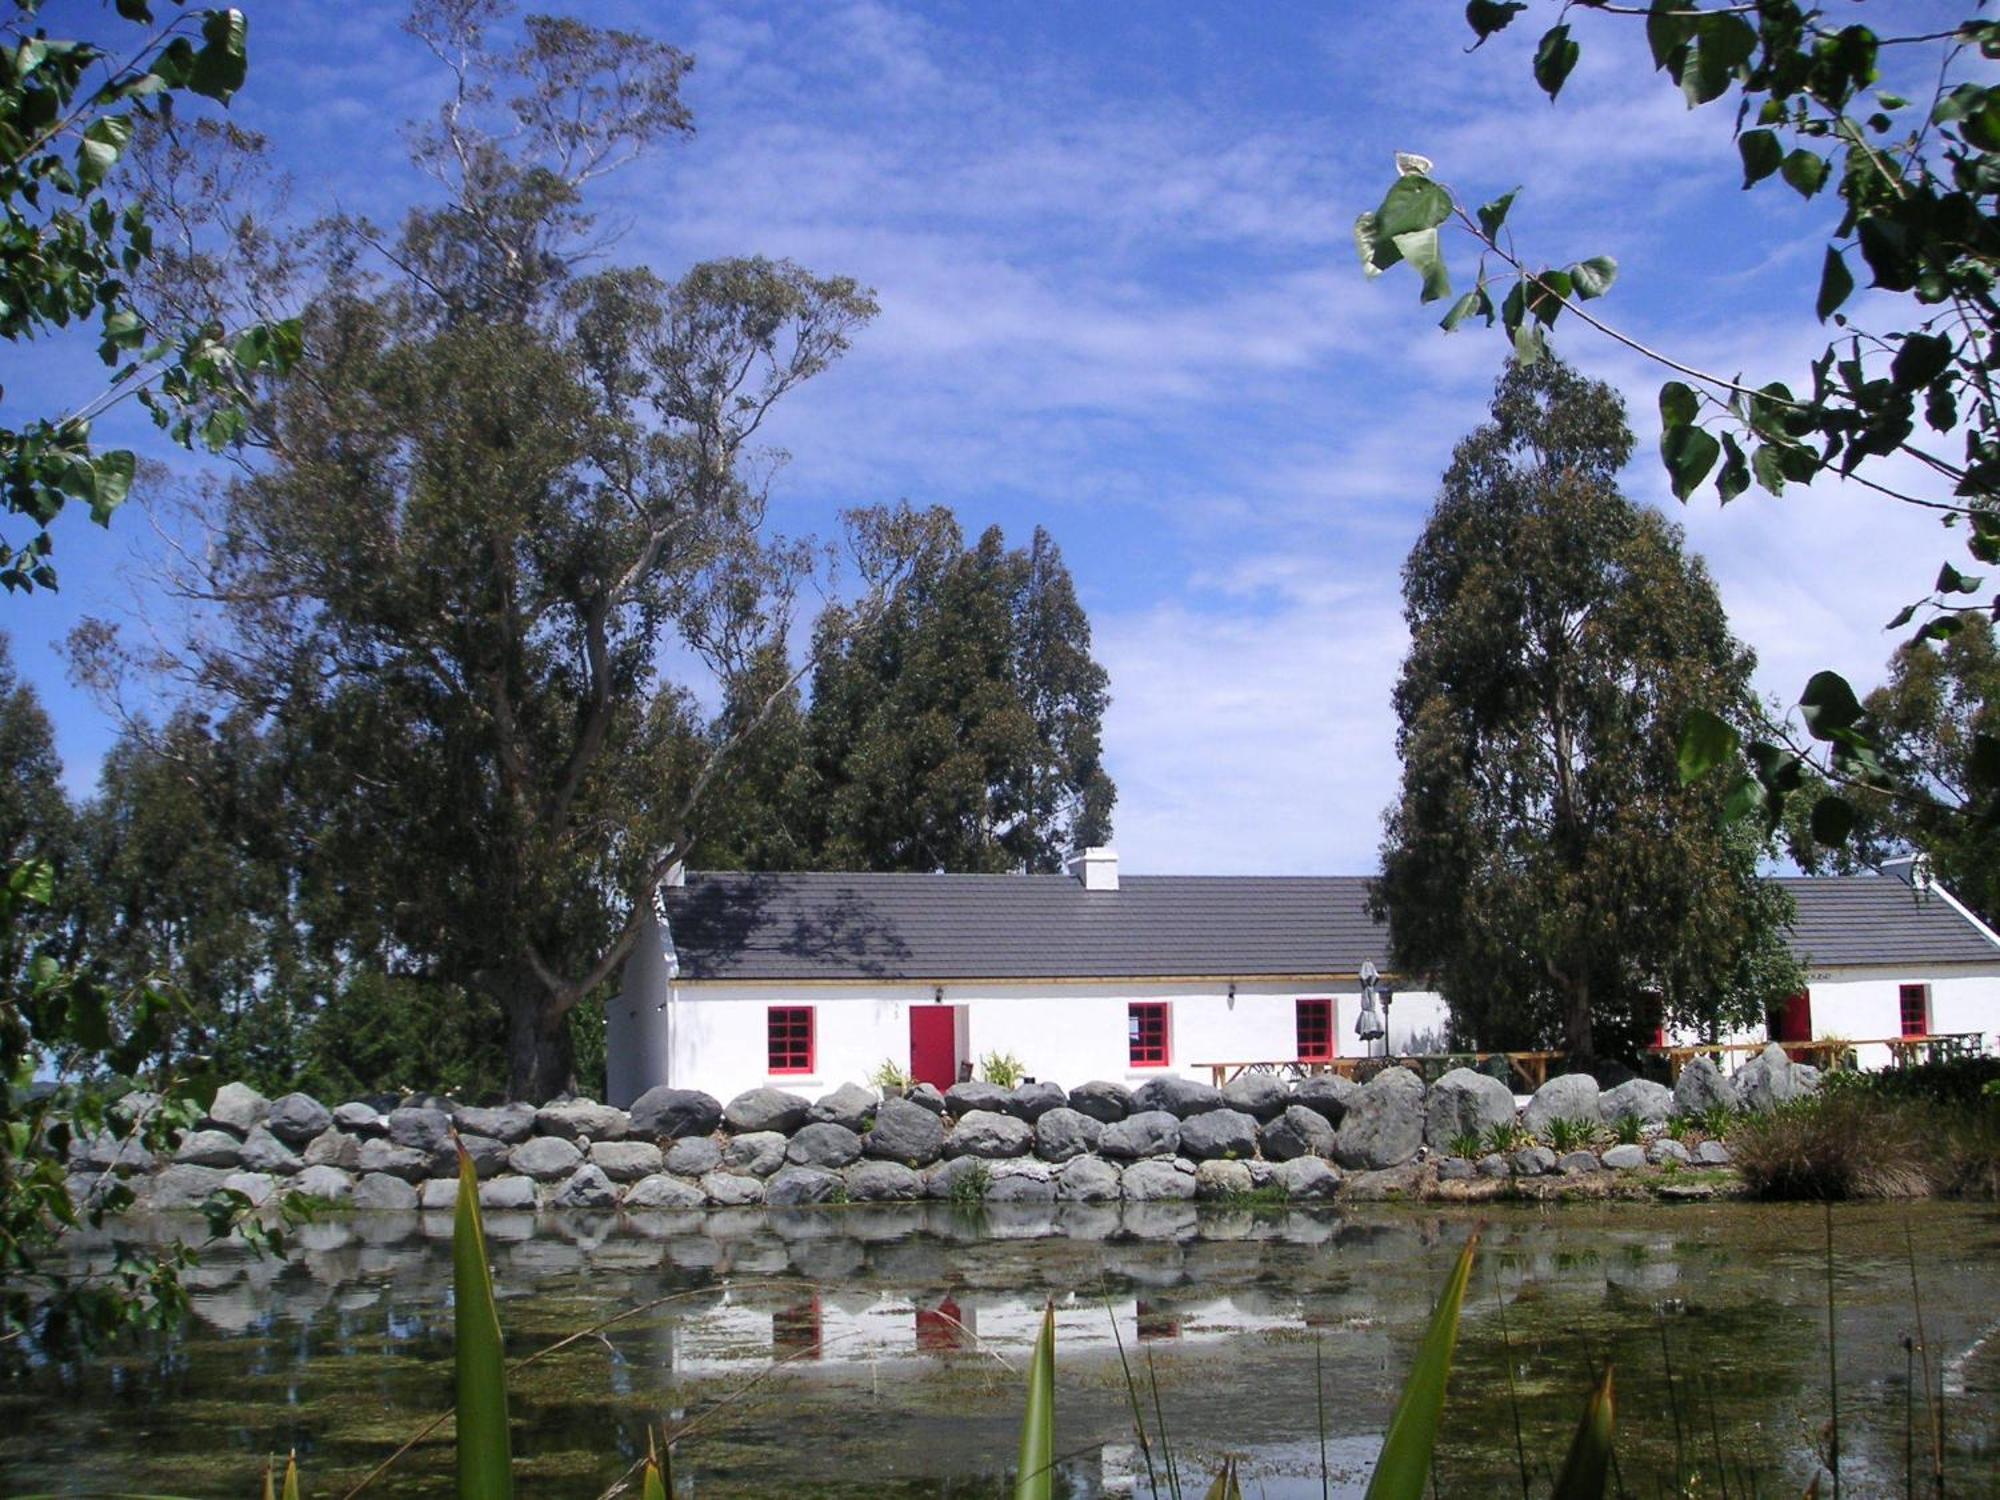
1112, 246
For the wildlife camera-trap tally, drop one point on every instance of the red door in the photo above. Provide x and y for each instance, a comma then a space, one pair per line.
934, 1045
1791, 1021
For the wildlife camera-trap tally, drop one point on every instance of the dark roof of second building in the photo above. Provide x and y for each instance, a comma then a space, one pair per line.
858, 927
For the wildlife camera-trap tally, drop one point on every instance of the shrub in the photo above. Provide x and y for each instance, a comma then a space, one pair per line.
1507, 1136
1837, 1145
1570, 1135
969, 1188
890, 1079
1002, 1069
1627, 1129
1465, 1143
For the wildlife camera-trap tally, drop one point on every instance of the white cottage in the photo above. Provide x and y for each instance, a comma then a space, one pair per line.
808, 981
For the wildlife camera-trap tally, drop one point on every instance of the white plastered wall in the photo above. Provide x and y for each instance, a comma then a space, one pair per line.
713, 1036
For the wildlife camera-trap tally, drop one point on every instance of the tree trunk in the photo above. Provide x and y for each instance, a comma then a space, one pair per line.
541, 1064
1577, 1039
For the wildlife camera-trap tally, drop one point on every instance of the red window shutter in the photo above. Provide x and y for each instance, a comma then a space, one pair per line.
1314, 1028
1146, 1030
789, 1038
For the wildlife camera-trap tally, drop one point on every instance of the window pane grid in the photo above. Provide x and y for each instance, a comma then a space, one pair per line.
1315, 1030
790, 1039
1916, 1007
1147, 1030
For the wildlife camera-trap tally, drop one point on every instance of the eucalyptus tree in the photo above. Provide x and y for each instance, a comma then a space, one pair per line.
1900, 400
1543, 860
503, 504
961, 730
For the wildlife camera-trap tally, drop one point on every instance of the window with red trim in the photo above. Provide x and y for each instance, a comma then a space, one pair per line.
1915, 1001
789, 1038
1315, 1030
1146, 1027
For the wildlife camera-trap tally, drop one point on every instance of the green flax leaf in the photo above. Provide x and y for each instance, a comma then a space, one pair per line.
1589, 1461
1035, 1477
485, 1453
1403, 1470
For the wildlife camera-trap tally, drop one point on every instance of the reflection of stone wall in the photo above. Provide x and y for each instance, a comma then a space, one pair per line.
1171, 1140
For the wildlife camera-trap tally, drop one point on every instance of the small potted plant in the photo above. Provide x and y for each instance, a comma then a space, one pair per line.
890, 1080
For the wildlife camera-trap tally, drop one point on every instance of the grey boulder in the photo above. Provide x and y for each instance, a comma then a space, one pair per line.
802, 1185
1576, 1163
1328, 1094
1149, 1133
327, 1184
1712, 1154
963, 1098
264, 1152
1179, 1097
1534, 1161
1260, 1095
759, 1153
1667, 1149
386, 1158
297, 1118
728, 1190
661, 1190
507, 1123
1462, 1103
1638, 1099
1219, 1134
184, 1185
358, 1118
545, 1158
1162, 1179
883, 1182
333, 1148
425, 1130
586, 1187
926, 1096
697, 1156
905, 1132
1771, 1078
1222, 1179
1625, 1158
1101, 1100
625, 1161
1061, 1134
210, 1148
1384, 1123
489, 1157
1297, 1132
766, 1109
583, 1119
1701, 1087
380, 1191
507, 1193
849, 1106
1305, 1179
1572, 1097
668, 1114
236, 1108
991, 1135
824, 1145
1088, 1179
1033, 1100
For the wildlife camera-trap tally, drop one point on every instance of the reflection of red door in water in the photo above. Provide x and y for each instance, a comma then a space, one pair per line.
934, 1045
1791, 1021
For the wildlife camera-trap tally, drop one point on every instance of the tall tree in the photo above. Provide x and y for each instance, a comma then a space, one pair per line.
1928, 719
1543, 860
961, 730
496, 496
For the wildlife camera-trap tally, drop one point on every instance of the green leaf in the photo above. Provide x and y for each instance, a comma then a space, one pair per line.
1903, 617
1805, 171
114, 470
1377, 252
1403, 1470
1734, 476
1493, 215
1761, 154
1829, 705
1833, 819
1669, 24
221, 63
1679, 405
1225, 1485
104, 141
1593, 277
1463, 308
1589, 1462
1554, 58
1413, 202
1747, 798
1835, 283
1941, 627
1688, 452
1723, 43
1707, 741
485, 1452
1951, 581
1529, 345
1034, 1478
1767, 463
1420, 249
1488, 16
1921, 360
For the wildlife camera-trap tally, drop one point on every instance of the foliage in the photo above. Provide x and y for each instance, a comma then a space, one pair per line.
970, 1186
1002, 1069
961, 729
479, 1355
1863, 1142
1570, 1135
1917, 184
69, 109
1544, 860
1403, 1471
1466, 1143
1926, 722
1508, 1135
1034, 1474
1627, 1130
891, 1077
471, 547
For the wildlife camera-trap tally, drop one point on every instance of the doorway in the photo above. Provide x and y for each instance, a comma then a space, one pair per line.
1790, 1020
934, 1045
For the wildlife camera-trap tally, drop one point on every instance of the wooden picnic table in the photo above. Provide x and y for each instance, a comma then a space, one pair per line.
1830, 1052
1532, 1068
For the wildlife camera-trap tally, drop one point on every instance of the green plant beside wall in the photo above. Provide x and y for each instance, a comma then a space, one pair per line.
1002, 1069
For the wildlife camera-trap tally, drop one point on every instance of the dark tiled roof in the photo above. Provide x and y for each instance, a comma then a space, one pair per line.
1019, 926
938, 927
1879, 919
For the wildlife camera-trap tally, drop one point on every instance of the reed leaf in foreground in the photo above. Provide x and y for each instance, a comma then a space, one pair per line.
1226, 1486
485, 1457
653, 1486
291, 1490
1035, 1479
1403, 1470
1589, 1461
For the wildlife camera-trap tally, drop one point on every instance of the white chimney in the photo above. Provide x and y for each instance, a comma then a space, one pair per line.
1096, 867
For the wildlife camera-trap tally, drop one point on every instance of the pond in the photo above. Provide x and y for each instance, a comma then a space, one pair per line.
881, 1351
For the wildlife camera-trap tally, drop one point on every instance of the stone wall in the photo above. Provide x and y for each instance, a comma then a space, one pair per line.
1171, 1139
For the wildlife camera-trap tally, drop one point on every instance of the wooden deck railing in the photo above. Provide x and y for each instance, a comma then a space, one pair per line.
1532, 1068
1832, 1052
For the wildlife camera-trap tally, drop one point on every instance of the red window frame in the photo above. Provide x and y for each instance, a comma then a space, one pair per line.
1919, 996
790, 1039
1312, 1027
1147, 1035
